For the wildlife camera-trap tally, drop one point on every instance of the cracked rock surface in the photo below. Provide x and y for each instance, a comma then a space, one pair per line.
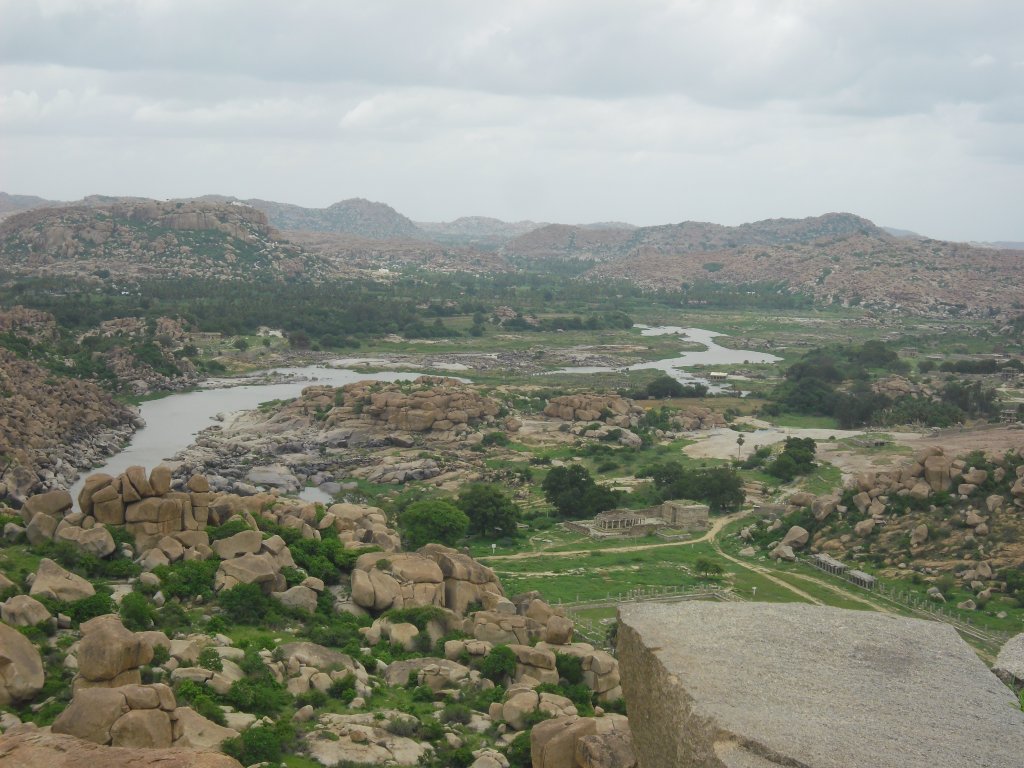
762, 685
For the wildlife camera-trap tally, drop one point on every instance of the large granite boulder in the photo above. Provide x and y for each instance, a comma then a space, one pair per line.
21, 667
1009, 664
23, 611
53, 581
757, 685
554, 743
397, 580
109, 655
51, 503
29, 747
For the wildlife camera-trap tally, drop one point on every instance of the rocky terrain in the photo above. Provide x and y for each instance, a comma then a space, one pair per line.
930, 516
873, 268
363, 218
123, 240
434, 621
51, 428
837, 257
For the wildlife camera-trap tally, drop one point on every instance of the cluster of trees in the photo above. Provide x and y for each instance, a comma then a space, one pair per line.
596, 322
835, 381
797, 458
483, 510
721, 488
665, 386
574, 493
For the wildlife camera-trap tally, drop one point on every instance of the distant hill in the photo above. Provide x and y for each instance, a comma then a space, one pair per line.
364, 218
614, 241
11, 204
837, 258
139, 238
476, 231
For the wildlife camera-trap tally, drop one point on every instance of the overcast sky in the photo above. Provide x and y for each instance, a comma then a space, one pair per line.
908, 112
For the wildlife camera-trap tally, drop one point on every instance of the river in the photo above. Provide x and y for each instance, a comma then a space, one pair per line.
173, 422
713, 355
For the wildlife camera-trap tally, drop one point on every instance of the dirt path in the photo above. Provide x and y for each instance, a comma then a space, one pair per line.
716, 526
767, 574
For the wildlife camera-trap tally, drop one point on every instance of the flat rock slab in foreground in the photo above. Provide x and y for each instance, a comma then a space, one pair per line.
762, 685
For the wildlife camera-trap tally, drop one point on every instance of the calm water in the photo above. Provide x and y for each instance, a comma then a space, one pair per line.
173, 422
712, 355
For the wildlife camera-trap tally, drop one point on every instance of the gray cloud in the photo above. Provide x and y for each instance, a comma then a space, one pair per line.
730, 110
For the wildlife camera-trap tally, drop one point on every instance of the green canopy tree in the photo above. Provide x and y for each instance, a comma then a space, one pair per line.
432, 522
492, 514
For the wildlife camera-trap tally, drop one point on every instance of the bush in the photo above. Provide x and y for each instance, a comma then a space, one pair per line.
569, 667
87, 608
137, 612
210, 659
344, 690
518, 752
456, 713
187, 579
217, 532
245, 604
426, 522
199, 698
261, 697
499, 665
265, 743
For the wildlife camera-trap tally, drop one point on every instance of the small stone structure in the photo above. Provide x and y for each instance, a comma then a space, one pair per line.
862, 579
684, 515
828, 563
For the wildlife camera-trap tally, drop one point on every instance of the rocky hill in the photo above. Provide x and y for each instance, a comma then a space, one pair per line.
50, 428
375, 221
614, 241
872, 268
477, 231
145, 238
11, 204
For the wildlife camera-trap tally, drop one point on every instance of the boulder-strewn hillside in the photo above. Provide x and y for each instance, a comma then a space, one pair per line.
149, 238
50, 427
357, 216
11, 204
477, 231
614, 241
874, 269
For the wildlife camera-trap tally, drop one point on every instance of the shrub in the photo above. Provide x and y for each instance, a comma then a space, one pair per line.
210, 659
217, 532
499, 665
456, 713
262, 697
419, 615
161, 654
343, 690
245, 604
408, 727
172, 618
90, 607
187, 579
518, 752
199, 698
569, 667
265, 743
137, 612
314, 697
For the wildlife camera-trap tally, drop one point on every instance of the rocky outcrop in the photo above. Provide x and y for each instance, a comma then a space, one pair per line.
51, 427
108, 655
55, 582
1009, 664
398, 580
21, 667
363, 739
808, 685
29, 747
583, 742
613, 410
466, 581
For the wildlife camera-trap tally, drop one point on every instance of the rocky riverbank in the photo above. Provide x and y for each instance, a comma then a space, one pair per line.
53, 428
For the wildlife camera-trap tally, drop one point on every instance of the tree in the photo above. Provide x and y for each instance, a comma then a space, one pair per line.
706, 567
427, 522
492, 514
575, 494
